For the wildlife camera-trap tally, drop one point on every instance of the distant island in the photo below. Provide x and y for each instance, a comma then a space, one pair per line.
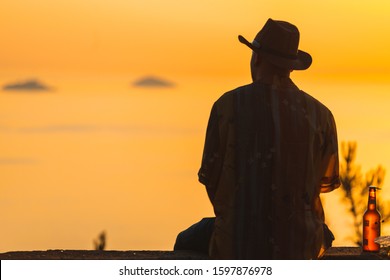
152, 82
28, 85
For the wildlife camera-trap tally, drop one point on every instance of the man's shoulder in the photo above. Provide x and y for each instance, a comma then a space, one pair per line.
230, 95
318, 104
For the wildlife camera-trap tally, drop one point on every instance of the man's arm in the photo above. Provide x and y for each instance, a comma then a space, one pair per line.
331, 178
212, 158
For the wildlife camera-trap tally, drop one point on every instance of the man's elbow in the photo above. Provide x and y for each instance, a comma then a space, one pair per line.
329, 184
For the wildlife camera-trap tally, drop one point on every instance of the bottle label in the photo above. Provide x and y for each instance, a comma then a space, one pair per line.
366, 223
365, 241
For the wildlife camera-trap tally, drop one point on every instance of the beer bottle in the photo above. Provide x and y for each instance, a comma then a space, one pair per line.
371, 223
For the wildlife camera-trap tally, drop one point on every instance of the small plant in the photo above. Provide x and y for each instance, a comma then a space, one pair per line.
100, 242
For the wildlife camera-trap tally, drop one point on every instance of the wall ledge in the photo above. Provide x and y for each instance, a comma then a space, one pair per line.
102, 255
334, 253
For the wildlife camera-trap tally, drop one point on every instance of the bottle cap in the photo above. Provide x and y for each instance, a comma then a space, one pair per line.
373, 187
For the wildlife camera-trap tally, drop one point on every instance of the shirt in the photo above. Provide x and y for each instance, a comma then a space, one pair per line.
270, 150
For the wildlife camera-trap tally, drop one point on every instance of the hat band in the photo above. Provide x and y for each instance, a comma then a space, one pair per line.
273, 52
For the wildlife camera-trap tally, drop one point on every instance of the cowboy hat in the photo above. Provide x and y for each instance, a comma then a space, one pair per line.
278, 42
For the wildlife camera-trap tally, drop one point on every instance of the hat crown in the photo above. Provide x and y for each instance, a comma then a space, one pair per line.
279, 37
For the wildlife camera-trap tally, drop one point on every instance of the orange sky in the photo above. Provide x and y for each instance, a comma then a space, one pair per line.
96, 136
186, 37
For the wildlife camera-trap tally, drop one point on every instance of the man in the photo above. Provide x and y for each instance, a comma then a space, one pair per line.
270, 150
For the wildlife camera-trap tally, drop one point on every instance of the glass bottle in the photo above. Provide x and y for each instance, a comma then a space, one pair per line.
371, 223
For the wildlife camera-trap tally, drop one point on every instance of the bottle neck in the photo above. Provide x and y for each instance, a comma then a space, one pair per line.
372, 199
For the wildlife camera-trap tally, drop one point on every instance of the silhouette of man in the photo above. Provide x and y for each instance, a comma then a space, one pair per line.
270, 150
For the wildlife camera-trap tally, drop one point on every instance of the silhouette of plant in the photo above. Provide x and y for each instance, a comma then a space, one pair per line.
100, 242
355, 187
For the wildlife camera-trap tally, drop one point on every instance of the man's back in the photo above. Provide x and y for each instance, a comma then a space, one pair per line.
270, 150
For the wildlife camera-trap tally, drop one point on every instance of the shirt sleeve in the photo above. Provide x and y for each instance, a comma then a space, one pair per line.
331, 177
212, 158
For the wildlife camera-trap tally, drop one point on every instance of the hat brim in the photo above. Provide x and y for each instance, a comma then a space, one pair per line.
302, 61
